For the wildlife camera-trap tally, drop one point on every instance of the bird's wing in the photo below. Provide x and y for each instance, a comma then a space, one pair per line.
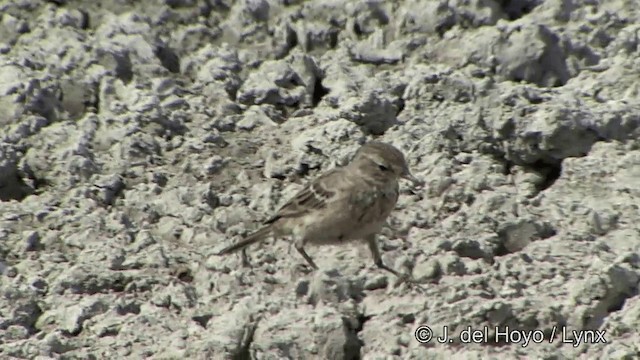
313, 196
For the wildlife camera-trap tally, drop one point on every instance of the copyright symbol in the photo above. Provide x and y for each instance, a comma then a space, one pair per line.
423, 334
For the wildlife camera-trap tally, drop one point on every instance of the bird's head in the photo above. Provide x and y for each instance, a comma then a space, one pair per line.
384, 162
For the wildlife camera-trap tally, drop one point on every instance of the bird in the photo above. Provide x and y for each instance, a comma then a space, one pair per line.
345, 204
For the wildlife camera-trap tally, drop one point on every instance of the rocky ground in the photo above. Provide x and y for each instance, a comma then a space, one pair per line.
137, 138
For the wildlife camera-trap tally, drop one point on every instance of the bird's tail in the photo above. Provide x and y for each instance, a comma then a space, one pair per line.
254, 237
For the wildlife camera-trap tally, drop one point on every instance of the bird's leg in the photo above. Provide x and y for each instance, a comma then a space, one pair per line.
300, 247
245, 258
377, 259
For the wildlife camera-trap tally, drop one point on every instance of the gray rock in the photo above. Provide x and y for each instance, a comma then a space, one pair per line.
288, 82
328, 287
427, 269
71, 319
32, 241
139, 138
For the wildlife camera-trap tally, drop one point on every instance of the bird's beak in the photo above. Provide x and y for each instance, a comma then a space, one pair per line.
407, 176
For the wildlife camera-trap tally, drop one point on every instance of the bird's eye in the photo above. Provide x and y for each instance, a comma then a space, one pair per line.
383, 168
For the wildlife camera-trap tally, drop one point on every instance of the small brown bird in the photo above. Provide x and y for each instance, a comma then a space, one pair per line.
344, 204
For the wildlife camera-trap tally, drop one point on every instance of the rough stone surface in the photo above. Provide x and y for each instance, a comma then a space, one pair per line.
139, 137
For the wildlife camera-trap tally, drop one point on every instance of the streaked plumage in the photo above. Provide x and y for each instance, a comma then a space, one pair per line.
344, 204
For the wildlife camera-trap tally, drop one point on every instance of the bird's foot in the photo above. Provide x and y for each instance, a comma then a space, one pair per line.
410, 281
305, 269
